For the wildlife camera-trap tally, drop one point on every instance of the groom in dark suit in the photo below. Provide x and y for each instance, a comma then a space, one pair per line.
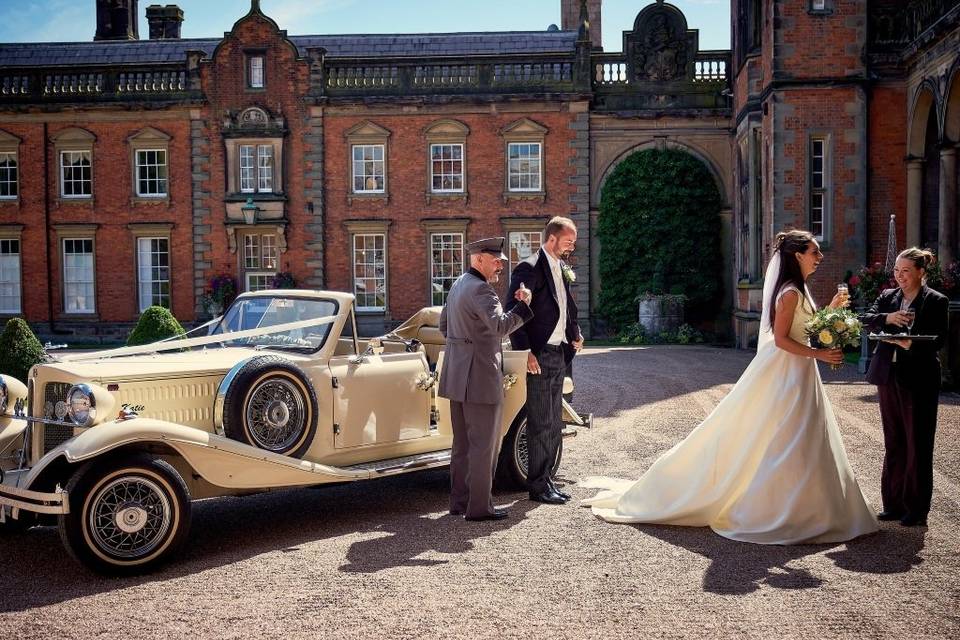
553, 337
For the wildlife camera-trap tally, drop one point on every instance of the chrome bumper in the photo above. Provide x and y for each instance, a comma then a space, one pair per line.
16, 499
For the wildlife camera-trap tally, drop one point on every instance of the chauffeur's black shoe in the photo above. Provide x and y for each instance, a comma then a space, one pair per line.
498, 514
548, 497
889, 515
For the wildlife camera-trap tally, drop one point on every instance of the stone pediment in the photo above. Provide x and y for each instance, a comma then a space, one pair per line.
448, 128
524, 127
253, 121
8, 140
367, 129
72, 135
149, 134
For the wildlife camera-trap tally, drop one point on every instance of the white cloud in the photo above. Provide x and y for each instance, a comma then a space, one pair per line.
289, 13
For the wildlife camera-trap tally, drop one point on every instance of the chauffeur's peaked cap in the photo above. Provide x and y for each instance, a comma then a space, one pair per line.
493, 246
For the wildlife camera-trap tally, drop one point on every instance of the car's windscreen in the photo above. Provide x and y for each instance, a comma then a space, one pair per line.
270, 311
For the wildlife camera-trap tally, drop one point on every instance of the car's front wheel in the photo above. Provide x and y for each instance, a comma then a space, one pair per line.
127, 514
514, 457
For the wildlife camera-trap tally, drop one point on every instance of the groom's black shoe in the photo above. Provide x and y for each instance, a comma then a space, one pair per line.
548, 497
498, 514
889, 515
914, 521
556, 490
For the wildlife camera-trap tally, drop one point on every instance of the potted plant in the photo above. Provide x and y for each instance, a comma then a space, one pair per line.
222, 291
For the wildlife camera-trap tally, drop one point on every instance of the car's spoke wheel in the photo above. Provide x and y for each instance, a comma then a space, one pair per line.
271, 405
514, 461
127, 514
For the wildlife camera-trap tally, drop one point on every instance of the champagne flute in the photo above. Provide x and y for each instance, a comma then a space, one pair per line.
911, 316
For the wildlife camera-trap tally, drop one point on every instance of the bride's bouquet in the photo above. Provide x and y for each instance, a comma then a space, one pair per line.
834, 329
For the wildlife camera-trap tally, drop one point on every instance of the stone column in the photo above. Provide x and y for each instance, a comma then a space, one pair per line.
914, 199
948, 205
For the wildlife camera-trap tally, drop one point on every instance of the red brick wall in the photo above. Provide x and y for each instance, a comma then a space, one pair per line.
819, 46
407, 182
888, 170
112, 209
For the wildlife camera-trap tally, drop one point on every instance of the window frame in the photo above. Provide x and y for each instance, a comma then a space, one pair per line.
369, 227
14, 235
166, 173
250, 56
525, 131
442, 160
539, 174
63, 178
16, 177
10, 144
74, 139
434, 278
260, 267
824, 191
87, 311
353, 168
367, 133
140, 282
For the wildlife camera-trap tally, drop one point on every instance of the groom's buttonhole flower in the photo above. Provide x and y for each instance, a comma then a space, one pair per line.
568, 273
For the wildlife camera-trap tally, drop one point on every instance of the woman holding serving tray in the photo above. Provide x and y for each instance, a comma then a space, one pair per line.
906, 371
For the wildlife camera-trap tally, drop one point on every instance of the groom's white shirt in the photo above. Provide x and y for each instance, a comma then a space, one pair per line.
559, 334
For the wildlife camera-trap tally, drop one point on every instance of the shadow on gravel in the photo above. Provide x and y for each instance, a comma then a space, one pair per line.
738, 568
37, 571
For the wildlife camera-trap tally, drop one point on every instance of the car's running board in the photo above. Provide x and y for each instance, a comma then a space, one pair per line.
406, 463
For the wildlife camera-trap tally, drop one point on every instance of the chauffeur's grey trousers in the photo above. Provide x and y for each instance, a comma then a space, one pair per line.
476, 430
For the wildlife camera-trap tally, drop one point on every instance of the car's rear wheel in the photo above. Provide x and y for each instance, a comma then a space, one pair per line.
271, 405
514, 457
127, 514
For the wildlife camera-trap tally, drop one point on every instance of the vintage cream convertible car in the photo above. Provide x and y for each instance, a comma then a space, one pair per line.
278, 393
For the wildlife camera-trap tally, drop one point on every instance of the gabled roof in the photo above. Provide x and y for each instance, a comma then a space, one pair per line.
44, 54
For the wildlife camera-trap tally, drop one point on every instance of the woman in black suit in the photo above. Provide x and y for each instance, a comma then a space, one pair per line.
907, 375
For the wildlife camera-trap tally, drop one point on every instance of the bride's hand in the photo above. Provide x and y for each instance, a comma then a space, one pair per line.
840, 300
830, 356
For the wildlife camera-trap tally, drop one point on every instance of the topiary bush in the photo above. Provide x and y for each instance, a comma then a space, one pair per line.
156, 323
659, 229
19, 349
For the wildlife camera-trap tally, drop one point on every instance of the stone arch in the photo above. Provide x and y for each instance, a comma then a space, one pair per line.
682, 145
926, 98
951, 116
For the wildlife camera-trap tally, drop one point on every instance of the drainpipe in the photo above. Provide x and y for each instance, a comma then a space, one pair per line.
46, 228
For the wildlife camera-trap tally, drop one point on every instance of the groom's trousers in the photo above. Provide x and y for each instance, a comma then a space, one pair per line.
544, 417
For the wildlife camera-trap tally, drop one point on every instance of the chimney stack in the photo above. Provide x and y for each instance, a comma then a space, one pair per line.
570, 18
165, 22
117, 20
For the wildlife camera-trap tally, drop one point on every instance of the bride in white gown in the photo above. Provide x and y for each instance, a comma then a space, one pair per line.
767, 465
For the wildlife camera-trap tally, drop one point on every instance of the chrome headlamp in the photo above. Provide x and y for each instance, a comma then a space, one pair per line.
81, 405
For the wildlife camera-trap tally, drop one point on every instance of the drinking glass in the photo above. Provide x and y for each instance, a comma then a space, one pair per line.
911, 316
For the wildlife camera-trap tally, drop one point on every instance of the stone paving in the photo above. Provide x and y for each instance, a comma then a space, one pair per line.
380, 559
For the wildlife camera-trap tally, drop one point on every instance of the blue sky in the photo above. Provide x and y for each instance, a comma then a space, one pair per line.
75, 20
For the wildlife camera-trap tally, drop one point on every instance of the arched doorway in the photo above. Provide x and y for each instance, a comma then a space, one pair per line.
659, 229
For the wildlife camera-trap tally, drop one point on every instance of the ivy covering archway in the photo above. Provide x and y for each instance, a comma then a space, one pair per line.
659, 230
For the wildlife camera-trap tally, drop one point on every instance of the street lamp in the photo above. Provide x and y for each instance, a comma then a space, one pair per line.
249, 210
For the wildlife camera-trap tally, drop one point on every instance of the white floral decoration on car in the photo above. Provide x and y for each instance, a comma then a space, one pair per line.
425, 381
568, 273
509, 380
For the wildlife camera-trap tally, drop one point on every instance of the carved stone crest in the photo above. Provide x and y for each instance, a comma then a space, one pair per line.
659, 47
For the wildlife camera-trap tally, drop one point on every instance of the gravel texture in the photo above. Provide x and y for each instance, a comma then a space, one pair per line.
382, 558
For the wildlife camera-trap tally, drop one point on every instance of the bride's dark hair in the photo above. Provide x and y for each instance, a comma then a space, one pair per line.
789, 243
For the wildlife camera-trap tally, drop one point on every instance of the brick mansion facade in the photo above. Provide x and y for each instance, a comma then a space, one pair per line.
132, 172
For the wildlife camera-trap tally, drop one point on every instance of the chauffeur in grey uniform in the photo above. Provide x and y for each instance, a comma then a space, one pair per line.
474, 325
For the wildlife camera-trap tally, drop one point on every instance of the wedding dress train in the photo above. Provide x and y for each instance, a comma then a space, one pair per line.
766, 466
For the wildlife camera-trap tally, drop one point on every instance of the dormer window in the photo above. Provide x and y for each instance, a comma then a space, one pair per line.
255, 71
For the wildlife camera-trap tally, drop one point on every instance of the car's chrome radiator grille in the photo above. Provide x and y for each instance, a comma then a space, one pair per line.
55, 408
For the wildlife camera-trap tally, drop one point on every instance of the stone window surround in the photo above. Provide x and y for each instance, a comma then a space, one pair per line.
371, 226
233, 164
14, 232
11, 144
140, 230
368, 132
827, 190
248, 55
74, 139
521, 131
147, 139
80, 231
513, 224
446, 131
431, 226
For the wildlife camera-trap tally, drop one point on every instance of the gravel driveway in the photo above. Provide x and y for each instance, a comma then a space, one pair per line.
381, 559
